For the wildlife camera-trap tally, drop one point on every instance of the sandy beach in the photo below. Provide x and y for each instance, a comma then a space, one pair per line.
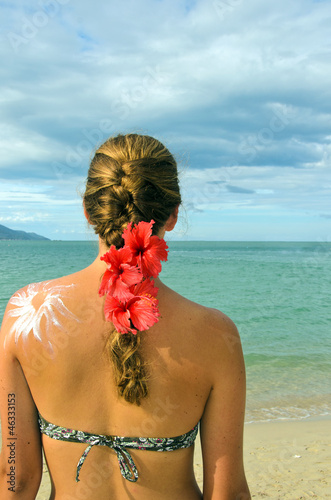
288, 460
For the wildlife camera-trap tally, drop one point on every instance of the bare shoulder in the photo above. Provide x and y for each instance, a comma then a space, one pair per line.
221, 343
12, 311
33, 294
220, 324
32, 289
33, 308
213, 330
221, 331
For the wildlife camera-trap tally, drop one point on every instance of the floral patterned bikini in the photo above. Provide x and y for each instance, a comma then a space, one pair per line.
118, 444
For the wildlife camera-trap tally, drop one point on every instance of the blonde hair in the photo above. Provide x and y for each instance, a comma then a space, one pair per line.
132, 178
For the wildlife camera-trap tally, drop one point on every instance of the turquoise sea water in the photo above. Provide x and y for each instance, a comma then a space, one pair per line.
278, 294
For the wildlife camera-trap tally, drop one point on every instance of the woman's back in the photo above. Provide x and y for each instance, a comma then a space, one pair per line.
100, 358
71, 381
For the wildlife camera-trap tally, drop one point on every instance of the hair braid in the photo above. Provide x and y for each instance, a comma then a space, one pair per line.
130, 369
132, 178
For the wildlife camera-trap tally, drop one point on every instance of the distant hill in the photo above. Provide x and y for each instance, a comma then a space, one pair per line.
11, 234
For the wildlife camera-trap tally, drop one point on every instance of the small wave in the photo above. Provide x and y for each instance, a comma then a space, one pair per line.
275, 413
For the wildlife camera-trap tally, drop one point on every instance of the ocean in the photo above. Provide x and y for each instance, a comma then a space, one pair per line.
278, 294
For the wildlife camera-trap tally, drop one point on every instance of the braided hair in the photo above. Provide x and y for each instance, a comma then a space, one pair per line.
132, 178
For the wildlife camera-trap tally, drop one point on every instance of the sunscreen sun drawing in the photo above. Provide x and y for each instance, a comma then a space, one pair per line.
29, 317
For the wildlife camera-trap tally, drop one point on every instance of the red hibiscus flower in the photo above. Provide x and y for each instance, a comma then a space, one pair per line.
118, 313
139, 313
144, 313
145, 289
147, 251
120, 274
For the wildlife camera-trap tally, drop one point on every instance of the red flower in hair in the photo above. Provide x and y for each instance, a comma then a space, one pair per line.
145, 289
147, 251
131, 302
118, 313
140, 312
120, 274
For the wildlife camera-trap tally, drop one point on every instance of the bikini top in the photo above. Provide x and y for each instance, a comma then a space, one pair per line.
118, 444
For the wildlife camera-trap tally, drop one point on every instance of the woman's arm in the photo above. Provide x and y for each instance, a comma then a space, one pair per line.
21, 457
223, 419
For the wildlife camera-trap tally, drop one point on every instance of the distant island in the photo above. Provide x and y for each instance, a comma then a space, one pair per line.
11, 234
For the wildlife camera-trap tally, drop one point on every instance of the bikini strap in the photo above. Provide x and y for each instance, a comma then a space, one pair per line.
125, 461
118, 444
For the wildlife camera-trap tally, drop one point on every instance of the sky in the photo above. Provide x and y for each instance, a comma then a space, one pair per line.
238, 90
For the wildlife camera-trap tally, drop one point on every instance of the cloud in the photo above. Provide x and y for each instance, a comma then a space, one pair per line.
228, 86
190, 207
236, 189
258, 188
22, 217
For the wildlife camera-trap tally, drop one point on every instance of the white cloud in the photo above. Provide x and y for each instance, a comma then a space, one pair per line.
263, 188
241, 93
21, 217
36, 198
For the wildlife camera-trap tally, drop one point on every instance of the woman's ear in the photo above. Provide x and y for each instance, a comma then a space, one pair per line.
171, 222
